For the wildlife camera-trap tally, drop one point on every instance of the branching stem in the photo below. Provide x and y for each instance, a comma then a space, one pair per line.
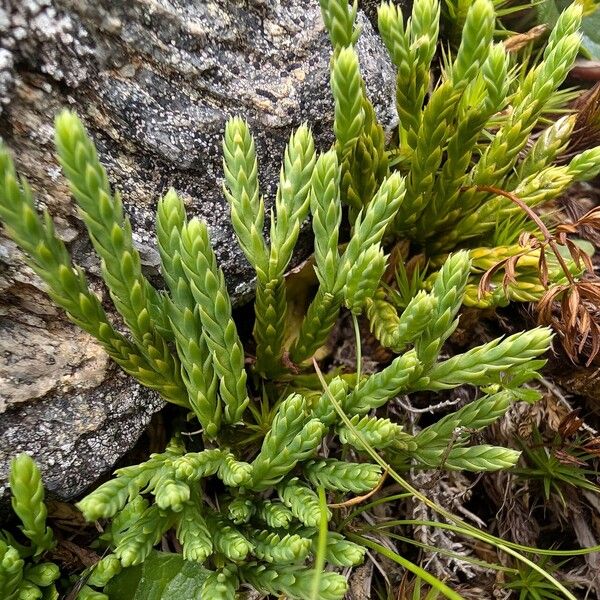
548, 237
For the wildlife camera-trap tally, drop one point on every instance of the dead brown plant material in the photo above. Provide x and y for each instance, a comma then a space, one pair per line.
581, 199
571, 444
573, 312
72, 555
571, 309
586, 133
570, 424
520, 40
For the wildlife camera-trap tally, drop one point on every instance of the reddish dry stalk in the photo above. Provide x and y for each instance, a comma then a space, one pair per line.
577, 324
548, 237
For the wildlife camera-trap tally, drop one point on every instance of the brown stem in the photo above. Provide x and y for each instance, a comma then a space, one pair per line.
548, 237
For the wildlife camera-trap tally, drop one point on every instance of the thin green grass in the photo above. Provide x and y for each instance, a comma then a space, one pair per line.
321, 545
459, 526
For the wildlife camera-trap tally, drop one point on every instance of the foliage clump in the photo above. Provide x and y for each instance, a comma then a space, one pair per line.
474, 171
251, 512
280, 439
24, 574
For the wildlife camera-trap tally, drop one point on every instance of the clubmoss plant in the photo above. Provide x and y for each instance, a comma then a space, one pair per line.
248, 508
247, 500
463, 139
24, 574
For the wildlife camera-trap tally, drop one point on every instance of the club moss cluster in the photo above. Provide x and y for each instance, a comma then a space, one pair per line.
250, 505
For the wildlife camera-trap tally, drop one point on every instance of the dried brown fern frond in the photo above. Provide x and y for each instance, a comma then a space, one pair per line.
572, 308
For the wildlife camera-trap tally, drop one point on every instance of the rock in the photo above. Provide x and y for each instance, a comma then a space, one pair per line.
155, 83
369, 7
78, 434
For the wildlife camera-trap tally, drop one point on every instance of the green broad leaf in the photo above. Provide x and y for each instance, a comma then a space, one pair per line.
162, 576
584, 245
590, 39
527, 395
547, 12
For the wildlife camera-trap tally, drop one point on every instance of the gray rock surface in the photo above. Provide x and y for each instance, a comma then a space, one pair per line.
155, 81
